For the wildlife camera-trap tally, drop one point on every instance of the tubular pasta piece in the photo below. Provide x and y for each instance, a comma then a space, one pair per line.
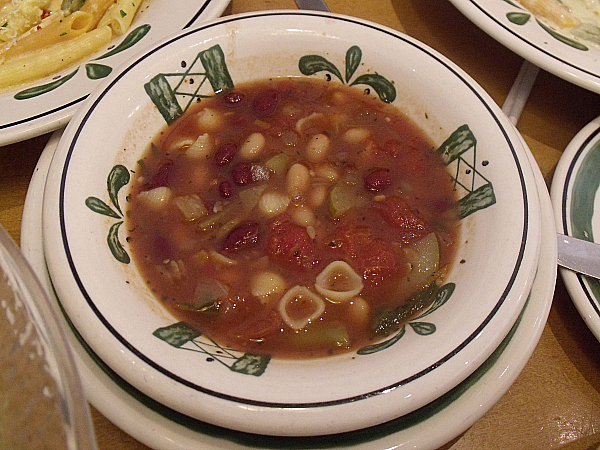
300, 294
55, 32
120, 15
339, 282
42, 63
97, 8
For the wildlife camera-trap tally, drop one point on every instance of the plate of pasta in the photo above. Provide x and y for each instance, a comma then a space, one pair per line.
54, 52
560, 36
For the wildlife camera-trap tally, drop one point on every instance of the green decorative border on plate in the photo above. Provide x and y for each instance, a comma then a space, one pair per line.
522, 17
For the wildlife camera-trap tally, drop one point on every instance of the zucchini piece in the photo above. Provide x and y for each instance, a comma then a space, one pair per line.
317, 335
341, 198
278, 163
424, 259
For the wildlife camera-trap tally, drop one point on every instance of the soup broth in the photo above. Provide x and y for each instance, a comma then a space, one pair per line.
292, 217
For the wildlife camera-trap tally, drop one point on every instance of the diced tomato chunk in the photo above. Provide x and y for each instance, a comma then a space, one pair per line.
258, 328
378, 262
397, 213
372, 257
290, 246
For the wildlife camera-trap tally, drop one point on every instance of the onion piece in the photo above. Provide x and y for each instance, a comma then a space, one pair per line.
157, 197
300, 294
339, 282
208, 291
191, 206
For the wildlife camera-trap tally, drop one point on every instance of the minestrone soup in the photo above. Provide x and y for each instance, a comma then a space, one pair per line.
292, 217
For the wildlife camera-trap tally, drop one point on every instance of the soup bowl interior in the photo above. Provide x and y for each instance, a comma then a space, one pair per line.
112, 308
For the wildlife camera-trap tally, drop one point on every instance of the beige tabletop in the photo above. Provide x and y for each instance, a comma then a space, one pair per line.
555, 402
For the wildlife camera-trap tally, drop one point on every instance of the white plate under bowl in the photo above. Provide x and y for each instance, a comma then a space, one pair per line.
52, 108
450, 415
576, 200
117, 316
577, 62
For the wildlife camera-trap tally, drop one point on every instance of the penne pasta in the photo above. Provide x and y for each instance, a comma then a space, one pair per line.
120, 15
97, 8
60, 30
44, 62
40, 37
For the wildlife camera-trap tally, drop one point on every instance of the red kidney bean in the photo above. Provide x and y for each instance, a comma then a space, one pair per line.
378, 180
242, 174
161, 176
266, 103
242, 236
225, 189
225, 154
234, 99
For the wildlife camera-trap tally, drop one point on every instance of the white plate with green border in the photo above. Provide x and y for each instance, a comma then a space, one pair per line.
48, 104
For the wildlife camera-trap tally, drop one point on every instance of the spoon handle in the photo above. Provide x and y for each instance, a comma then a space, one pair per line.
579, 255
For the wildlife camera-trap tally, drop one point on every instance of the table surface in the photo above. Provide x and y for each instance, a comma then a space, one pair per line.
555, 402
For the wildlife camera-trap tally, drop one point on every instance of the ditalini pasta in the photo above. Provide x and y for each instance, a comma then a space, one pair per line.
40, 37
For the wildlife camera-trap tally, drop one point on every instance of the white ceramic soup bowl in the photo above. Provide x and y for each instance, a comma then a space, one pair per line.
125, 325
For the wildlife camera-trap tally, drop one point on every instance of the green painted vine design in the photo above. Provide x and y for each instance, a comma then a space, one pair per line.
117, 178
523, 16
311, 64
93, 70
172, 96
179, 335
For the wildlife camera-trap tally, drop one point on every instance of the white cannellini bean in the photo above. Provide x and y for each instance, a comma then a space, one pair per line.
202, 147
318, 194
339, 98
356, 135
358, 308
297, 179
326, 171
317, 148
252, 146
157, 197
303, 216
272, 204
209, 119
267, 283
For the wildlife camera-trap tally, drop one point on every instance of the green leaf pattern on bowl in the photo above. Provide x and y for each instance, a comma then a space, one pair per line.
181, 336
94, 71
521, 18
173, 93
117, 179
